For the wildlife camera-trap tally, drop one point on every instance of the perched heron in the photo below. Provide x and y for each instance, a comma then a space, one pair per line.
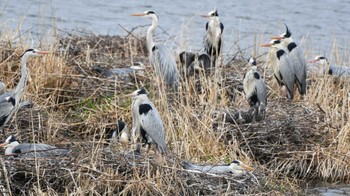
146, 119
160, 56
29, 150
121, 131
254, 86
213, 37
330, 69
236, 167
282, 67
296, 58
10, 101
192, 62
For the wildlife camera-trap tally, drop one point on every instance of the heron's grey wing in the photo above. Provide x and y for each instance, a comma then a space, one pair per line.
261, 91
38, 150
297, 58
153, 125
167, 68
287, 73
7, 106
208, 168
339, 71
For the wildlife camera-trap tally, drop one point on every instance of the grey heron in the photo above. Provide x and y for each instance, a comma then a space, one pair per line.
30, 150
121, 131
254, 85
146, 119
10, 101
331, 69
281, 66
213, 37
192, 62
160, 56
297, 59
236, 167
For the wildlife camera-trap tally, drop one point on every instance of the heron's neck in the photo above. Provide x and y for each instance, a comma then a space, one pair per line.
150, 32
24, 76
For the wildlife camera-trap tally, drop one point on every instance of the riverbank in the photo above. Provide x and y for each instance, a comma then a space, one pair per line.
297, 142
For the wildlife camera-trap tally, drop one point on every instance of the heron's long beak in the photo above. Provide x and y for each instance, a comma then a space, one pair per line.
43, 52
137, 14
247, 167
312, 61
265, 45
204, 16
4, 144
277, 37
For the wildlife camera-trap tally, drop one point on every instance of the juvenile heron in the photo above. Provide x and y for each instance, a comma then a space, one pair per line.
160, 56
254, 85
30, 150
281, 66
213, 37
146, 119
296, 58
10, 101
334, 70
236, 167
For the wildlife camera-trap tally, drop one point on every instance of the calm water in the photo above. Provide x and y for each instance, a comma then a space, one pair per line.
316, 24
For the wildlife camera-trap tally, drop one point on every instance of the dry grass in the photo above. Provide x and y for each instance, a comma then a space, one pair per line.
297, 141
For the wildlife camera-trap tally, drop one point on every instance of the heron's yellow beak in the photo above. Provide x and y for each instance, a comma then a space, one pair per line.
265, 45
277, 37
4, 144
204, 16
137, 14
43, 52
247, 167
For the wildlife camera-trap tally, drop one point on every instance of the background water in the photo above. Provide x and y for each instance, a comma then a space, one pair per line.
317, 24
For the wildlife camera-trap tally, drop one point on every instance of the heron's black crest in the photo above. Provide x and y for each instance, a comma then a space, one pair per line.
277, 42
256, 75
142, 91
12, 139
291, 46
150, 12
288, 33
322, 57
121, 125
280, 53
236, 162
144, 108
215, 13
29, 50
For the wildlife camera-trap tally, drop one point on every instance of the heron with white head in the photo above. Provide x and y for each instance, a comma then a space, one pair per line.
236, 167
281, 66
334, 70
121, 132
254, 85
31, 150
296, 58
160, 56
10, 101
213, 37
146, 119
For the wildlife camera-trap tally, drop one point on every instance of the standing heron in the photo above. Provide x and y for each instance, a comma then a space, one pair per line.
30, 150
236, 167
160, 56
254, 86
334, 70
213, 37
297, 59
10, 101
146, 119
282, 67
